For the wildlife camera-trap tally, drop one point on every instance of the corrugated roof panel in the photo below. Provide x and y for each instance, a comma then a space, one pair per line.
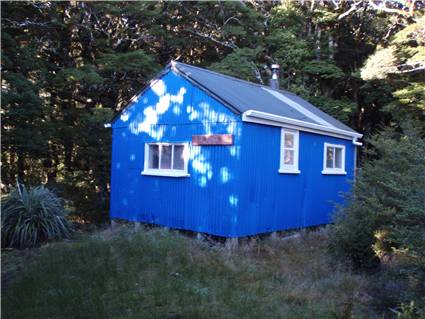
244, 96
241, 94
310, 107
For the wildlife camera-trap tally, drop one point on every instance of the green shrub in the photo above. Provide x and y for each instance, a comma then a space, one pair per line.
384, 219
31, 217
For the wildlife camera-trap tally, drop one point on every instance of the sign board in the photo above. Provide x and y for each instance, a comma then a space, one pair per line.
212, 139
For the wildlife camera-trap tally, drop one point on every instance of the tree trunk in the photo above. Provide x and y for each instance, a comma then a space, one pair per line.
68, 155
21, 167
331, 46
318, 36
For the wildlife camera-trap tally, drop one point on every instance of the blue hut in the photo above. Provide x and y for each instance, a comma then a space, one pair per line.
202, 151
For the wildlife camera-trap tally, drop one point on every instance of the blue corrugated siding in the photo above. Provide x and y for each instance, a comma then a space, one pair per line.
232, 190
271, 201
172, 111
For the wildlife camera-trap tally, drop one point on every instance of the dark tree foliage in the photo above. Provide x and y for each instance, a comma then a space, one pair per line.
384, 219
67, 67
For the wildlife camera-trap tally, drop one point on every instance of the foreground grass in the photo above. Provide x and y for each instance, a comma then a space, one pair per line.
160, 274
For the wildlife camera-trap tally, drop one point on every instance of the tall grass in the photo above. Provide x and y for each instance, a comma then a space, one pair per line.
30, 217
159, 274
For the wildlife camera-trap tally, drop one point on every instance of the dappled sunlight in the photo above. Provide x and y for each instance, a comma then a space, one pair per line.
125, 116
179, 97
193, 114
177, 110
200, 166
224, 175
163, 104
172, 110
235, 151
158, 87
167, 101
213, 115
233, 200
152, 113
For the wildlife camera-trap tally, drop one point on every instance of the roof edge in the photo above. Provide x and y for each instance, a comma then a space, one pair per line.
148, 85
259, 117
174, 67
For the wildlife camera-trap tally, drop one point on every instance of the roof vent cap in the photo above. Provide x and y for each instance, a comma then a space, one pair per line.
274, 80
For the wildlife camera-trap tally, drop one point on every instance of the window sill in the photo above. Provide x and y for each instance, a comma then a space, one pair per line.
166, 173
328, 172
289, 171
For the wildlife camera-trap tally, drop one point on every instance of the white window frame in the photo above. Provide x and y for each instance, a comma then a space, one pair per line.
334, 171
166, 172
285, 168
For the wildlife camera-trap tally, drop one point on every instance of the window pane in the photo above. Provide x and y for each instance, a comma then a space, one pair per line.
178, 157
329, 157
338, 157
166, 156
153, 156
289, 140
288, 159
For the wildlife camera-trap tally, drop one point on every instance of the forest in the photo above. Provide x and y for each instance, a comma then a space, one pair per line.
68, 67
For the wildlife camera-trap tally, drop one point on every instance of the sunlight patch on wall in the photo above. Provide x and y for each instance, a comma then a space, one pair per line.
125, 116
202, 181
193, 114
201, 166
159, 87
224, 175
177, 110
153, 113
163, 104
233, 200
231, 128
234, 151
179, 97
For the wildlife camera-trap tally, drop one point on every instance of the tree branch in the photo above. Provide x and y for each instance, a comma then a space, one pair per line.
352, 8
227, 44
383, 7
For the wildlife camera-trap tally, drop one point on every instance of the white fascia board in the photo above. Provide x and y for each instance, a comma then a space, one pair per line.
282, 121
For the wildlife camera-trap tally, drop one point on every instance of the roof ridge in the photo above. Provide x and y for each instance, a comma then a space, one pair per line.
227, 76
284, 92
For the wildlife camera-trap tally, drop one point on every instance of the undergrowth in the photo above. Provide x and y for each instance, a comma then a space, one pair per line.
162, 274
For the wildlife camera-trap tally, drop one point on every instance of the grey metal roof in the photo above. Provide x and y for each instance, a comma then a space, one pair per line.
243, 96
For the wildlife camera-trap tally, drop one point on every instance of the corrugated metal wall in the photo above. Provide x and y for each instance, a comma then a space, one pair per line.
271, 201
232, 190
172, 111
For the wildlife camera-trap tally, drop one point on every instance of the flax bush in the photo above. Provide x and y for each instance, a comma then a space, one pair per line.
33, 216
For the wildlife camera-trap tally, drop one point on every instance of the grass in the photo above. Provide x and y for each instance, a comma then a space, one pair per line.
162, 274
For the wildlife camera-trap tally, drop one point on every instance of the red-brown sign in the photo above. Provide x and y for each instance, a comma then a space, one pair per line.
212, 139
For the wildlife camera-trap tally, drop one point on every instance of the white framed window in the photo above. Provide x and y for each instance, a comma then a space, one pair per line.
166, 159
289, 150
334, 159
